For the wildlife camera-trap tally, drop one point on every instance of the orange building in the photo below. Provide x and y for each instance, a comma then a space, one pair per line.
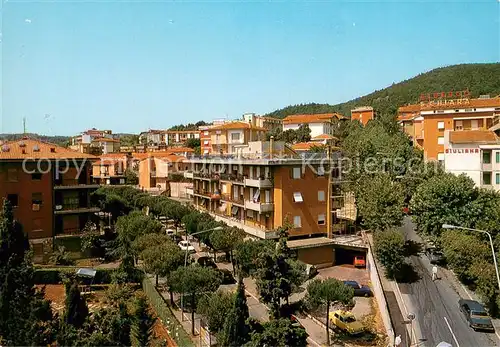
363, 114
155, 168
427, 122
205, 140
49, 187
110, 169
226, 138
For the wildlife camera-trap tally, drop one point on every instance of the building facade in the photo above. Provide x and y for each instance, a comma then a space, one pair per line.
48, 186
155, 169
153, 138
109, 169
427, 122
363, 114
227, 138
318, 123
475, 153
179, 138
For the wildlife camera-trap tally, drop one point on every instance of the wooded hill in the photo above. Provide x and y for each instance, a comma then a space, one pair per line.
479, 79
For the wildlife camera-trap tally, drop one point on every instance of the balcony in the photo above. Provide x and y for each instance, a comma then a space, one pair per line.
188, 174
206, 176
486, 166
231, 199
73, 184
203, 193
258, 182
189, 191
249, 227
259, 206
74, 208
233, 178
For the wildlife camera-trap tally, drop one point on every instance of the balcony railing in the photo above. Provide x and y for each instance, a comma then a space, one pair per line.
230, 198
232, 178
73, 184
188, 174
189, 191
202, 192
75, 208
258, 206
207, 176
259, 182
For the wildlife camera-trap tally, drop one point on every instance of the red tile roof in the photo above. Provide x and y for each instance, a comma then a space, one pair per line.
236, 125
35, 149
473, 136
324, 137
104, 139
178, 150
311, 118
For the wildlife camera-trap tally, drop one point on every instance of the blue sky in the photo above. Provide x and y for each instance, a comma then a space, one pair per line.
130, 66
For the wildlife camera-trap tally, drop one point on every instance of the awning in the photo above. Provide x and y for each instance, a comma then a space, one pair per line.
297, 197
89, 273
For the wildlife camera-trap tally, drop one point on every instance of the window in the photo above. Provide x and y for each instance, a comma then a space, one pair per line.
321, 219
205, 133
13, 199
296, 173
297, 197
497, 178
321, 171
321, 195
441, 156
497, 155
440, 125
205, 142
36, 198
459, 125
12, 175
36, 176
474, 124
441, 140
486, 178
296, 222
235, 136
486, 157
250, 214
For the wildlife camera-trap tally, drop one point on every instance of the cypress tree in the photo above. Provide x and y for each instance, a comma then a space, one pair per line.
143, 321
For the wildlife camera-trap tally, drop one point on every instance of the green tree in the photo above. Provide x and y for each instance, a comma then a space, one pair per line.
226, 240
162, 260
328, 292
389, 248
215, 307
483, 272
380, 202
146, 241
193, 280
303, 133
131, 177
142, 323
75, 308
192, 143
446, 198
279, 333
236, 329
248, 253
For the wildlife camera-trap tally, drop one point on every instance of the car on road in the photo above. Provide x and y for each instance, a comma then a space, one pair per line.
476, 315
207, 262
359, 290
226, 276
435, 256
345, 320
186, 246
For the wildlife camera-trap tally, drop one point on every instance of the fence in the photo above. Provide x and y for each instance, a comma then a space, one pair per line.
378, 292
174, 327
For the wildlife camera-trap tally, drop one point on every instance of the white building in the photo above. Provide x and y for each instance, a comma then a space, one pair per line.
318, 123
475, 153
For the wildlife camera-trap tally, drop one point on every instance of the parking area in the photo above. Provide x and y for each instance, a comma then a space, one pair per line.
345, 273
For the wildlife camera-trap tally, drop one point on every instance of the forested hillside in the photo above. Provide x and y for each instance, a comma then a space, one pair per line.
477, 78
58, 140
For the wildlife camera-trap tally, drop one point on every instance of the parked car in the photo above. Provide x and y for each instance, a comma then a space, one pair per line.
476, 315
170, 232
359, 290
435, 255
186, 246
359, 261
207, 262
227, 276
345, 320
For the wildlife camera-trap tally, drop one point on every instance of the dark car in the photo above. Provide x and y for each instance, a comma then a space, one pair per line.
435, 255
227, 276
207, 262
359, 290
476, 315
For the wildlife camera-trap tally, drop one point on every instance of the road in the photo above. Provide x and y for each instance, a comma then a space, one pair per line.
435, 305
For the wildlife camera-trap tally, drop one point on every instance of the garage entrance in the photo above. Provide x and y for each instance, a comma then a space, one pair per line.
345, 255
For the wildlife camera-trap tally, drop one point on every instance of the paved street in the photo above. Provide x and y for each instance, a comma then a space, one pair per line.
435, 305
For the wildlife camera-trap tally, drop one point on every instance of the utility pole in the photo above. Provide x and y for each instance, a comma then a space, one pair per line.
24, 125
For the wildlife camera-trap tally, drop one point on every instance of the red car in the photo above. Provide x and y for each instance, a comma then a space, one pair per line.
359, 261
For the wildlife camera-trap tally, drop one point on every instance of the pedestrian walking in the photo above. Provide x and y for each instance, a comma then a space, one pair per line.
434, 273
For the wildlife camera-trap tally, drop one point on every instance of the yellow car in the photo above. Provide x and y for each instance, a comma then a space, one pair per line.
346, 321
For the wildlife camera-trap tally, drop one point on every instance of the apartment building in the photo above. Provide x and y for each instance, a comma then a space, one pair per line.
95, 142
205, 140
156, 167
475, 153
153, 137
268, 123
318, 123
109, 169
363, 114
228, 137
427, 121
49, 187
179, 138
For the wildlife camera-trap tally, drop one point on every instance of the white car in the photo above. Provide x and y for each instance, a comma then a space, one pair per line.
186, 246
170, 232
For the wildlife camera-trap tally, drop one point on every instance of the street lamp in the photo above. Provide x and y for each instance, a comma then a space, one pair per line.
185, 262
449, 226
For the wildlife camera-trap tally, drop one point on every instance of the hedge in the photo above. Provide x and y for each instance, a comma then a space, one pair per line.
55, 275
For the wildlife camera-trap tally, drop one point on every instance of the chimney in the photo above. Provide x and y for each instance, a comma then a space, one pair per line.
271, 147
